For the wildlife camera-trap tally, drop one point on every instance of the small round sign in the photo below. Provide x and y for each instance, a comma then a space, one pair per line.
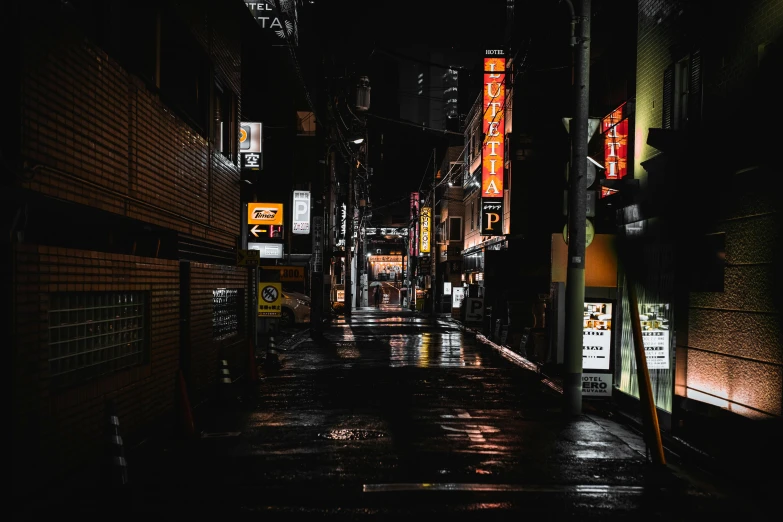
589, 232
269, 294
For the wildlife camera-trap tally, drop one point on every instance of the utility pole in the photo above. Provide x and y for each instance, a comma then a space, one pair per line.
434, 280
348, 244
577, 208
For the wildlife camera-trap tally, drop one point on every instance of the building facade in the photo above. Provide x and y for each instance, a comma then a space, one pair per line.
125, 200
703, 227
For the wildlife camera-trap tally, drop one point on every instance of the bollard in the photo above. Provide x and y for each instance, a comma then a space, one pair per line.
272, 361
252, 368
117, 465
188, 424
224, 380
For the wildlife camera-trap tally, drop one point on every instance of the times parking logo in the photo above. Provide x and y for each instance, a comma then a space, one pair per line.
266, 214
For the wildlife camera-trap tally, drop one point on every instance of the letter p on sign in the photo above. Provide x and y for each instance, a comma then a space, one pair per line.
301, 212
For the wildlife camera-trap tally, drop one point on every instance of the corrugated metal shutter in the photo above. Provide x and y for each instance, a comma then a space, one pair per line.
695, 89
667, 120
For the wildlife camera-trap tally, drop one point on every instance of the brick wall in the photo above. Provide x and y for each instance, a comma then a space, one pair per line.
97, 136
206, 352
62, 427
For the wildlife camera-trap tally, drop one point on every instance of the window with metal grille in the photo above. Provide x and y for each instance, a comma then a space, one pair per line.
226, 312
667, 118
93, 333
682, 93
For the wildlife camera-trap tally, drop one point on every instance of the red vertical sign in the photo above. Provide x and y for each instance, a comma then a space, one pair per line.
494, 127
413, 231
615, 130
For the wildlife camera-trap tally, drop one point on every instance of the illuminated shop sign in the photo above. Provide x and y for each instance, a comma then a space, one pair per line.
426, 225
596, 336
493, 126
413, 236
277, 19
491, 217
251, 145
265, 213
614, 127
301, 212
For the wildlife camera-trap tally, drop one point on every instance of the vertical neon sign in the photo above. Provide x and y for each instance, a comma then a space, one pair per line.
413, 232
615, 130
494, 127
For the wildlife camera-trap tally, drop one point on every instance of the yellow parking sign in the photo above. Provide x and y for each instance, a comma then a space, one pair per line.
270, 299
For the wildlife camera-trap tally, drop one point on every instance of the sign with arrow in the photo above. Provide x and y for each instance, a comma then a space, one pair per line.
258, 231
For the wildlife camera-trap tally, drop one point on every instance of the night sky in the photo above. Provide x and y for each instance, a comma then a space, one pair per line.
378, 37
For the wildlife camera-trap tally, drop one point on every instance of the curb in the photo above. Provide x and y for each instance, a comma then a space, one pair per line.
676, 447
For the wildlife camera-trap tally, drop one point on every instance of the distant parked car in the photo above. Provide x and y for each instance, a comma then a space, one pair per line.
295, 309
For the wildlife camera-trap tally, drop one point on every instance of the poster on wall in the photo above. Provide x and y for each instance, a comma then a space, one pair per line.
596, 336
457, 296
656, 348
655, 335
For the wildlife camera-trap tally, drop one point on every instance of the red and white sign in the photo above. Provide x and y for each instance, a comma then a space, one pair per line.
615, 130
494, 126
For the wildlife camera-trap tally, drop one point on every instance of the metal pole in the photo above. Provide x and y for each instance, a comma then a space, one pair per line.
348, 244
577, 195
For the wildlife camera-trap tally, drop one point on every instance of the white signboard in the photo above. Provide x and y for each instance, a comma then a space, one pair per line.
596, 336
318, 231
267, 250
343, 214
387, 231
301, 212
457, 295
656, 347
446, 288
597, 385
474, 309
250, 145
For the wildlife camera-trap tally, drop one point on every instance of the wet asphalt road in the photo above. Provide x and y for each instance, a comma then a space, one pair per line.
392, 415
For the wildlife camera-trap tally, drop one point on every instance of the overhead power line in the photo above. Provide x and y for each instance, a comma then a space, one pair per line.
414, 124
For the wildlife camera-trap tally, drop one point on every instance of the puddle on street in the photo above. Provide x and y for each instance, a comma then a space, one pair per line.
346, 434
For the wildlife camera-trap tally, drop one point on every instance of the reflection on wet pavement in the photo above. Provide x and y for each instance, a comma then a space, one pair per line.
383, 406
431, 349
